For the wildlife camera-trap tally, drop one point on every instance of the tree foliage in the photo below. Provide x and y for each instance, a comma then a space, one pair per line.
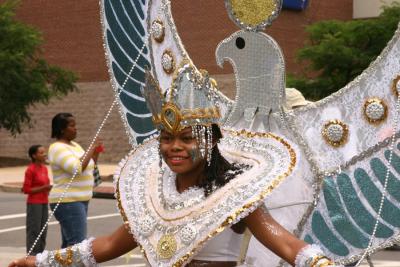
339, 51
26, 78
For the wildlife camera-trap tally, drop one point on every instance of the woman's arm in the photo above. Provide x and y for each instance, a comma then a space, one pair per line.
103, 249
91, 154
27, 186
110, 247
272, 235
63, 157
38, 189
293, 250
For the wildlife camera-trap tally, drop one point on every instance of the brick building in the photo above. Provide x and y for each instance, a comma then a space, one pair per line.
73, 39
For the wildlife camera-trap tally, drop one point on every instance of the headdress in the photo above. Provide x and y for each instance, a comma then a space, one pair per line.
189, 102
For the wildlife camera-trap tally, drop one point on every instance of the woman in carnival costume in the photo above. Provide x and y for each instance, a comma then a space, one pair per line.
187, 195
189, 200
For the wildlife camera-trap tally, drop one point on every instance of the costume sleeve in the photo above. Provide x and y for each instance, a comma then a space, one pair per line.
27, 186
79, 255
313, 256
65, 159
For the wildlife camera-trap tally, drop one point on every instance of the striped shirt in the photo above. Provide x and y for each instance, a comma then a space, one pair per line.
65, 161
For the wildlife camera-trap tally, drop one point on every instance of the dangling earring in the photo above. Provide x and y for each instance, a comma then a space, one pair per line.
202, 140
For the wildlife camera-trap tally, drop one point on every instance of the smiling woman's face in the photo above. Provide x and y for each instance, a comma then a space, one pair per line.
180, 151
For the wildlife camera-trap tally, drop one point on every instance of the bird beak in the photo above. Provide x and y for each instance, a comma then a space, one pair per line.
221, 53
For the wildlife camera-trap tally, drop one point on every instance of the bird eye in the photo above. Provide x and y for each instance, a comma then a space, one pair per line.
240, 43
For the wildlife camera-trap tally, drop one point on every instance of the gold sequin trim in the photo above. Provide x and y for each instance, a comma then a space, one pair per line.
171, 116
117, 191
316, 262
230, 219
67, 261
253, 12
166, 246
119, 204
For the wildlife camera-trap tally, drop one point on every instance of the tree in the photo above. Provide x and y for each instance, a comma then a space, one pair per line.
339, 51
26, 78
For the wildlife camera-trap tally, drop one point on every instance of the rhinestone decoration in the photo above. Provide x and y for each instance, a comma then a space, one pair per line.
375, 110
168, 62
187, 234
146, 225
158, 30
166, 246
396, 86
335, 133
174, 200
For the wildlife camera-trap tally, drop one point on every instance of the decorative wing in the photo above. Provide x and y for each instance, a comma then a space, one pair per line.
343, 137
125, 32
140, 35
341, 140
344, 219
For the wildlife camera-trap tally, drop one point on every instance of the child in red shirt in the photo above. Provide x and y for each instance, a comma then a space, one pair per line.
37, 187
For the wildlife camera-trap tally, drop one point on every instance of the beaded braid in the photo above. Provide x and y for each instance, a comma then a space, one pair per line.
219, 171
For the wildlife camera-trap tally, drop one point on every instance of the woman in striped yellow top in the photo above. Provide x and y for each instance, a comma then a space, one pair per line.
67, 161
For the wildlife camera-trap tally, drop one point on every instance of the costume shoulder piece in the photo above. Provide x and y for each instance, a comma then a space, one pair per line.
172, 227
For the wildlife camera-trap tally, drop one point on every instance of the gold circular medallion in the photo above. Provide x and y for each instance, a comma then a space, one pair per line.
158, 30
166, 246
375, 110
335, 133
168, 62
396, 86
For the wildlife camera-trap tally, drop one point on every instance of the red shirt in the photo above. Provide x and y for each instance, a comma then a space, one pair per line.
36, 175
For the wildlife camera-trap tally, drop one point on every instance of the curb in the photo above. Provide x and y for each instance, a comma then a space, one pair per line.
11, 188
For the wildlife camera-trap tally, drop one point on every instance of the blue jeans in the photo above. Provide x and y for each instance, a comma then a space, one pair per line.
72, 217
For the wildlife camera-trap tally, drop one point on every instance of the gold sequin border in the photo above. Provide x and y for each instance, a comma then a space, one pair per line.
119, 203
230, 219
262, 196
118, 195
253, 13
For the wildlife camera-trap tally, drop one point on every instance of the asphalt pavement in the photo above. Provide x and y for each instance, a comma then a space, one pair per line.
11, 179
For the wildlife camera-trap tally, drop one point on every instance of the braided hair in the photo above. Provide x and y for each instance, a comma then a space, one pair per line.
220, 171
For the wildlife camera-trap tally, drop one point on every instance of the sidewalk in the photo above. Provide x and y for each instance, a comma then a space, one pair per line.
11, 179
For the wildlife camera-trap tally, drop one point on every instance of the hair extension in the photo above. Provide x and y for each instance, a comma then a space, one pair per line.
219, 171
